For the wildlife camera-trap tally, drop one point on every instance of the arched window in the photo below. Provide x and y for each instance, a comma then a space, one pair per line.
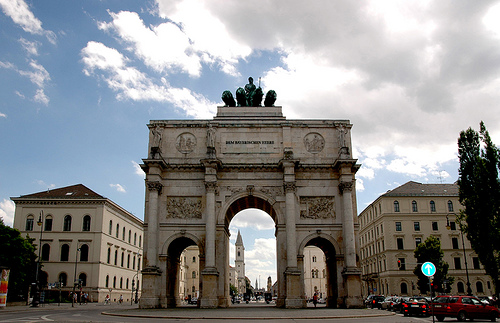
193, 289
193, 274
433, 206
65, 252
83, 279
116, 257
86, 223
404, 288
460, 287
45, 252
67, 223
63, 279
479, 287
84, 252
110, 227
414, 207
450, 206
48, 223
107, 281
29, 223
117, 230
109, 255
314, 259
194, 259
396, 206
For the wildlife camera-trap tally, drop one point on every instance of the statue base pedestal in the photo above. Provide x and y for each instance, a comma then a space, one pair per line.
209, 297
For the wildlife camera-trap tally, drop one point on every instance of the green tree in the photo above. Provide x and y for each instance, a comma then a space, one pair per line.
18, 254
233, 291
430, 250
479, 193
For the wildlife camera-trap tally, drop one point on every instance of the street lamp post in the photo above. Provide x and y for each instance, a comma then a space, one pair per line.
76, 281
137, 286
469, 290
36, 295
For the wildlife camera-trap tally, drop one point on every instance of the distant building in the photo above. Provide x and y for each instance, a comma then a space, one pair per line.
81, 232
393, 226
239, 264
189, 285
314, 272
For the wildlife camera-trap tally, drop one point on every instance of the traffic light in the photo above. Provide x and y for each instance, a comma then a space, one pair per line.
399, 264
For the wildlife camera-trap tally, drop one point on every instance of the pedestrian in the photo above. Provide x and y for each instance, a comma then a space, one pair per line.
121, 299
315, 299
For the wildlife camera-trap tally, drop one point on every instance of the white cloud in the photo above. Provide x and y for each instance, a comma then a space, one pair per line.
41, 97
31, 47
138, 170
3, 115
20, 13
45, 185
118, 187
7, 209
252, 218
130, 83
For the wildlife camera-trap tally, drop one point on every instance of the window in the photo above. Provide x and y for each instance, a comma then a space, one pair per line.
314, 259
65, 252
45, 252
109, 255
29, 223
400, 243
123, 259
414, 207
396, 206
475, 263
116, 257
454, 243
133, 263
315, 273
239, 254
460, 287
107, 281
417, 242
453, 225
193, 274
435, 226
129, 236
114, 282
398, 226
416, 226
126, 285
123, 234
433, 206
48, 224
194, 259
402, 263
458, 265
67, 223
117, 230
135, 239
404, 288
193, 289
63, 279
83, 279
140, 241
84, 252
450, 206
86, 223
110, 227
121, 282
479, 287
128, 261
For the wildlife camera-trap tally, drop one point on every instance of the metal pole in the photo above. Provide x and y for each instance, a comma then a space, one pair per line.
469, 290
137, 286
35, 301
74, 283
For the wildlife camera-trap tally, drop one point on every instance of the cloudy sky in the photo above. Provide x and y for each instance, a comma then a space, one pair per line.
80, 81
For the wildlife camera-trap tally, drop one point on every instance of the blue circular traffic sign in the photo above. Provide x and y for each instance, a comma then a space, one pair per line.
428, 269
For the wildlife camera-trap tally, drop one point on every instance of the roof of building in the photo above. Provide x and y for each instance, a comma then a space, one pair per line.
239, 239
412, 188
78, 191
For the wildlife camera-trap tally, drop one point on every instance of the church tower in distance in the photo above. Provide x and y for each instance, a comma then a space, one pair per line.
239, 264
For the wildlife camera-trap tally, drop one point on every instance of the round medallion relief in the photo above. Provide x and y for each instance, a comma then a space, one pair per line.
185, 142
314, 142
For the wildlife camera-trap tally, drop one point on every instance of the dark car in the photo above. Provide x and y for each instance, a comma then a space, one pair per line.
388, 303
396, 307
463, 308
373, 301
415, 306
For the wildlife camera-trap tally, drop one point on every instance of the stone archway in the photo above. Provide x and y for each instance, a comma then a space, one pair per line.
200, 173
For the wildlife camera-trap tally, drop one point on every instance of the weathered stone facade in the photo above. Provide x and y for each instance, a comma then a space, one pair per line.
201, 173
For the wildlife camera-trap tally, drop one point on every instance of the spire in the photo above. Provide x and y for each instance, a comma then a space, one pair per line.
239, 240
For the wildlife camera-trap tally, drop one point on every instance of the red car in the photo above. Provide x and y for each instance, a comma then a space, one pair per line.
463, 308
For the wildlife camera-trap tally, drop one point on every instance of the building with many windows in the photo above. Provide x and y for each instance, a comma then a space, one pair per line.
395, 223
87, 241
314, 272
189, 276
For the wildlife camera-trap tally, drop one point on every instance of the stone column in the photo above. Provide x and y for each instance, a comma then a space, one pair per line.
210, 224
291, 239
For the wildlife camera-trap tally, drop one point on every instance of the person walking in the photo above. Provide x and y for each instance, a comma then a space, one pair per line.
315, 299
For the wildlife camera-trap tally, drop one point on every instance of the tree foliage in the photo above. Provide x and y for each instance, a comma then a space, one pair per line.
18, 254
479, 193
430, 250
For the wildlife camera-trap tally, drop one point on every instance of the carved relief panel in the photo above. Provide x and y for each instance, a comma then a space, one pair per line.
184, 207
317, 208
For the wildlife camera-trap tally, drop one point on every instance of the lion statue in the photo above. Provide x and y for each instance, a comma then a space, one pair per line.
270, 98
228, 99
241, 97
256, 98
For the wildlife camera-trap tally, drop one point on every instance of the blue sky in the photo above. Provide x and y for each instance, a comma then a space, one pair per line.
79, 81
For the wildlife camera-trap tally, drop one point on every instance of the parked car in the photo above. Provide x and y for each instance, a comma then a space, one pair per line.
193, 300
488, 300
463, 308
396, 307
373, 301
415, 306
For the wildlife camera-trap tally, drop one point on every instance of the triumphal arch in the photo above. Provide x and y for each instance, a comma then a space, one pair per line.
201, 173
